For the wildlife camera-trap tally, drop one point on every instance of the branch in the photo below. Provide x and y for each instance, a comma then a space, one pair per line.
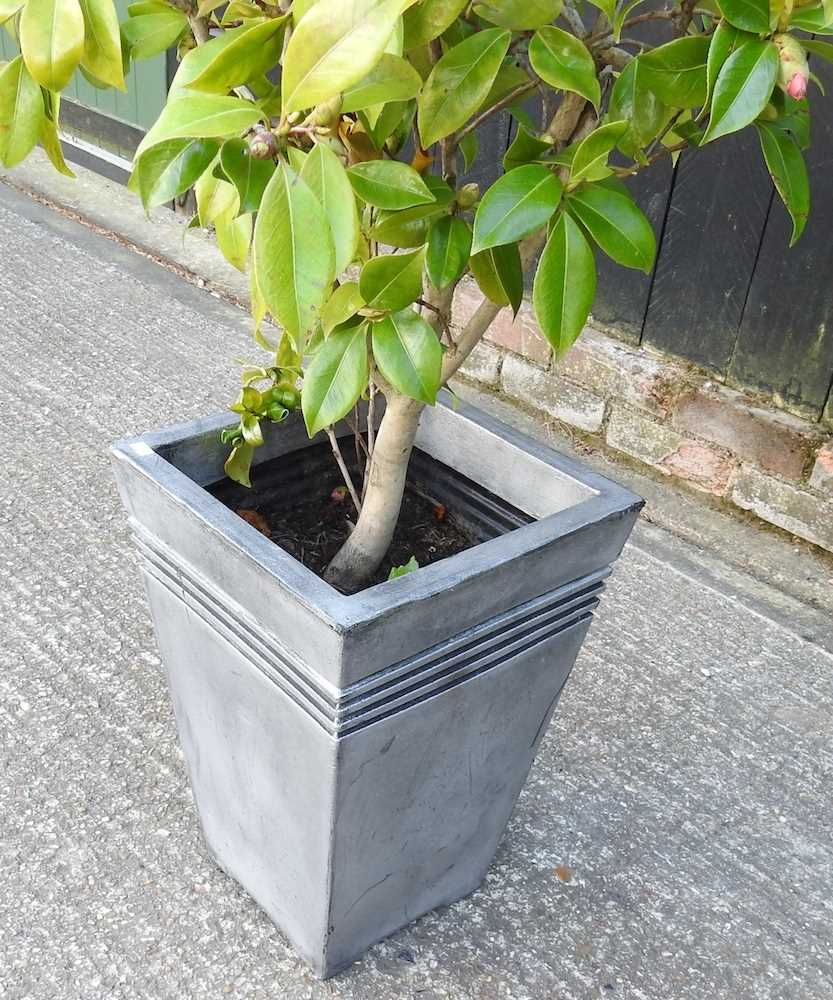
520, 91
348, 479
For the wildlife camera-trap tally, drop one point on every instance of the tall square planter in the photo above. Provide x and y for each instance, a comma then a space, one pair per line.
355, 759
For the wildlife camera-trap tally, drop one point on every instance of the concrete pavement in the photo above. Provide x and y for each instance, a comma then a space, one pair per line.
674, 841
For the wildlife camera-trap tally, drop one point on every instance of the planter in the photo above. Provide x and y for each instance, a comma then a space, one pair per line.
355, 759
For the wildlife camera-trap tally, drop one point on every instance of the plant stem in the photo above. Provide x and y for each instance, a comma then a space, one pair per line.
348, 479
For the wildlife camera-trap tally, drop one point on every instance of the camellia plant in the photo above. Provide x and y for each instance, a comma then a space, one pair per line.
325, 140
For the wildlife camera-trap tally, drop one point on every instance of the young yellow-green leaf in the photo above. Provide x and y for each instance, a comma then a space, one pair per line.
617, 224
392, 281
52, 40
391, 79
8, 8
335, 379
234, 236
499, 275
409, 355
589, 162
195, 61
389, 184
249, 175
748, 15
51, 143
459, 83
149, 35
676, 71
564, 62
427, 20
343, 304
239, 462
170, 168
293, 253
201, 116
565, 285
517, 204
449, 247
21, 112
743, 88
215, 197
519, 15
102, 44
633, 102
409, 567
789, 173
324, 172
333, 46
251, 51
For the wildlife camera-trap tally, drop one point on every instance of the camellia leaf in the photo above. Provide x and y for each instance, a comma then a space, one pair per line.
239, 463
249, 175
215, 197
516, 205
195, 61
526, 148
459, 83
409, 355
449, 246
102, 43
51, 142
391, 79
564, 62
334, 45
170, 168
250, 52
519, 15
748, 15
389, 184
589, 161
724, 42
824, 50
743, 88
8, 9
51, 35
565, 285
392, 281
234, 236
427, 20
335, 379
324, 172
789, 173
408, 228
149, 35
293, 253
21, 112
201, 116
499, 275
617, 224
633, 102
676, 71
344, 303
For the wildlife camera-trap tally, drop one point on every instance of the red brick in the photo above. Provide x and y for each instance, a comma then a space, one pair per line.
701, 466
521, 336
822, 477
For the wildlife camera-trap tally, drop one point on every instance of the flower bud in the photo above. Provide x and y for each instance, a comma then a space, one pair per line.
262, 144
468, 195
793, 70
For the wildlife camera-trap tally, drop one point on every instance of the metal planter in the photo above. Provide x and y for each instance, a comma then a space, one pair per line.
355, 759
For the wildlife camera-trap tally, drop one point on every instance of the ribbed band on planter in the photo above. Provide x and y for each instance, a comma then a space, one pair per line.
355, 759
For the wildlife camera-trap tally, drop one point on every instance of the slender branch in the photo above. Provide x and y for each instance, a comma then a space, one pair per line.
573, 18
371, 432
348, 479
653, 15
520, 91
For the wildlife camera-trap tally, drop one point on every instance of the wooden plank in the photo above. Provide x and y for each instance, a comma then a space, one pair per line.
717, 213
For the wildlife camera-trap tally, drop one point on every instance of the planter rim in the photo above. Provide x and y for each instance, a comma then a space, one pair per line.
345, 612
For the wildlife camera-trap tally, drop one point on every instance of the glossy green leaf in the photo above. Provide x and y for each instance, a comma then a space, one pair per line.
470, 147
517, 204
170, 168
51, 142
391, 79
607, 7
250, 52
343, 304
526, 147
748, 15
408, 354
459, 83
195, 61
519, 15
743, 87
815, 19
389, 184
633, 102
824, 50
324, 172
293, 253
335, 44
617, 224
565, 285
499, 275
234, 236
427, 20
508, 78
215, 197
724, 42
21, 112
676, 71
789, 173
249, 175
589, 161
564, 62
335, 379
102, 43
409, 567
149, 35
408, 228
201, 116
449, 246
392, 281
51, 35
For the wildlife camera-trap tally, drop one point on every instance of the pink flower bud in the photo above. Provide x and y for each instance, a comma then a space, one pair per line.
793, 71
797, 86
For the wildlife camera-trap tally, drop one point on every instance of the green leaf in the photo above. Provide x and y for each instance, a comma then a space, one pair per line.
526, 148
335, 379
633, 102
824, 50
334, 45
234, 236
564, 62
617, 224
565, 285
248, 175
391, 79
509, 77
215, 197
816, 19
589, 162
517, 204
519, 15
239, 462
8, 8
748, 15
676, 71
201, 116
170, 168
102, 43
608, 8
293, 253
195, 61
392, 281
51, 143
409, 355
427, 20
408, 228
324, 172
743, 88
469, 147
459, 83
724, 42
499, 275
21, 112
149, 35
251, 51
789, 173
342, 305
408, 567
389, 184
51, 35
449, 246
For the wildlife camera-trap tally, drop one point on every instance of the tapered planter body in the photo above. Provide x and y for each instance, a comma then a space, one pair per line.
355, 759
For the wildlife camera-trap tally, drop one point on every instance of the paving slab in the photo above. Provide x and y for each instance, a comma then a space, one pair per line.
673, 842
